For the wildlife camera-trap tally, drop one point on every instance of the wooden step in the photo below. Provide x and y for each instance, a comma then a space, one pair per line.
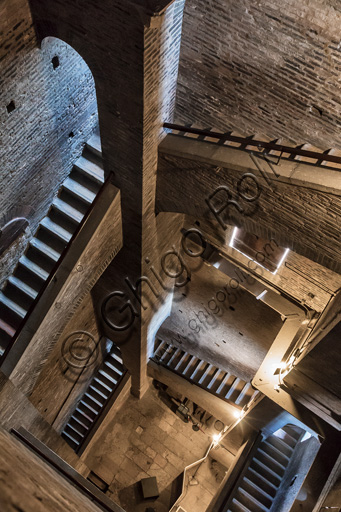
90, 169
45, 249
34, 268
56, 230
65, 209
79, 191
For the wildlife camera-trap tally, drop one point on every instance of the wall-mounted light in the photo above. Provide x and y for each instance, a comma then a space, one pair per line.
238, 414
216, 438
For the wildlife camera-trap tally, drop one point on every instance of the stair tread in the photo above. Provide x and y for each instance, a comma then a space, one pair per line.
74, 429
114, 365
117, 356
25, 288
55, 229
159, 351
168, 349
88, 406
242, 508
33, 267
234, 387
45, 249
94, 388
91, 169
206, 374
289, 431
269, 470
243, 392
190, 361
73, 418
252, 498
97, 379
82, 413
175, 354
223, 383
68, 210
250, 482
272, 459
9, 303
7, 329
94, 143
79, 190
276, 450
266, 481
65, 434
107, 376
182, 359
216, 377
281, 442
97, 402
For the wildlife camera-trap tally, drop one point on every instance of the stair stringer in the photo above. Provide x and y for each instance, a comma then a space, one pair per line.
19, 292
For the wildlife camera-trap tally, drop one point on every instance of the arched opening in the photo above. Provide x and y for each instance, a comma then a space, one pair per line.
52, 172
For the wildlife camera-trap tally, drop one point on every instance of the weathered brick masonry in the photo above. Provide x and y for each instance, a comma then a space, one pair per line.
302, 219
263, 67
54, 113
126, 47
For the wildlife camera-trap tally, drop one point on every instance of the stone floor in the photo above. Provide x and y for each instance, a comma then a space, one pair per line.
147, 439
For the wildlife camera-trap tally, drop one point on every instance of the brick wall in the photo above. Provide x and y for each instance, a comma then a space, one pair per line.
267, 67
304, 220
54, 113
70, 377
17, 411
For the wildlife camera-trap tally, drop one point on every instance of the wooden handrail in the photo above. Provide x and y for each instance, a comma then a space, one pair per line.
246, 141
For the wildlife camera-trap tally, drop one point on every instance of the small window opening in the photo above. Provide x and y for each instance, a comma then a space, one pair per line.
55, 62
10, 107
265, 253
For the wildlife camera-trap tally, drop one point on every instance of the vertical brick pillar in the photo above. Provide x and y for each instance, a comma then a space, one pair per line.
133, 55
154, 103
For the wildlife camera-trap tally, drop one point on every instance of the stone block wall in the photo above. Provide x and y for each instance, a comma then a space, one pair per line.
48, 110
263, 67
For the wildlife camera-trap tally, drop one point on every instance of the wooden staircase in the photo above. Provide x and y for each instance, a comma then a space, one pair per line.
54, 233
92, 403
259, 483
209, 377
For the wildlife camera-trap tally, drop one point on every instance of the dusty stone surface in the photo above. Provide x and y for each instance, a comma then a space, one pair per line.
147, 439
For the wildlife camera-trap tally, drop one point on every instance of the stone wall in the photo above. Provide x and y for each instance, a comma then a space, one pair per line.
47, 111
263, 67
